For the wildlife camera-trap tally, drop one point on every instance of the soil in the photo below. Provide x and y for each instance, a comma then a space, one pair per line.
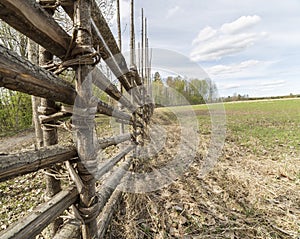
16, 142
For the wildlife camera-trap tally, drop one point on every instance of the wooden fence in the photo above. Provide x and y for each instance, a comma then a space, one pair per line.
91, 41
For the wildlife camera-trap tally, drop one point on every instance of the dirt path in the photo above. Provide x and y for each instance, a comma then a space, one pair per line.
16, 142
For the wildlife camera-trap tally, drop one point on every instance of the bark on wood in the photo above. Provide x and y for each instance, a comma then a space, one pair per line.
106, 215
17, 73
48, 118
106, 44
104, 167
106, 142
31, 225
75, 177
70, 230
85, 134
111, 60
32, 20
105, 192
13, 165
32, 49
103, 83
50, 137
104, 108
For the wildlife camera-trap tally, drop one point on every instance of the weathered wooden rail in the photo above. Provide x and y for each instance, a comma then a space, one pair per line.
92, 40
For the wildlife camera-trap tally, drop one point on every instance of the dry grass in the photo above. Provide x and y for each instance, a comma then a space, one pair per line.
253, 192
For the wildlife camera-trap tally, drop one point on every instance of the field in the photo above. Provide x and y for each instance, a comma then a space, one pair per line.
252, 192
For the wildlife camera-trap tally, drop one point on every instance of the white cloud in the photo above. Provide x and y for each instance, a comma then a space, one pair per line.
172, 11
204, 35
233, 68
224, 45
229, 86
274, 83
214, 44
240, 24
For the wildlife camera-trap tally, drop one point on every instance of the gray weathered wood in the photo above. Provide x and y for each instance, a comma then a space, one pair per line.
104, 108
106, 215
114, 140
32, 49
108, 38
70, 230
103, 83
109, 58
32, 20
50, 137
105, 191
75, 177
32, 224
13, 165
85, 134
107, 165
17, 73
48, 118
104, 41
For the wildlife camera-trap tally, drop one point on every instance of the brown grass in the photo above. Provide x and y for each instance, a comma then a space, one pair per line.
244, 196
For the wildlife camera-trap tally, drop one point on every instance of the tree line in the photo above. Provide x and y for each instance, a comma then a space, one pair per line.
177, 90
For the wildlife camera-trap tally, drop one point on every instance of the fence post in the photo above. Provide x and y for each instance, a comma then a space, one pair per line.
33, 57
49, 138
85, 131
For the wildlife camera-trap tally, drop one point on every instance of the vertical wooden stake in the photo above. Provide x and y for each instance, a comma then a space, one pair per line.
35, 101
50, 138
142, 48
119, 25
146, 56
122, 128
132, 35
85, 132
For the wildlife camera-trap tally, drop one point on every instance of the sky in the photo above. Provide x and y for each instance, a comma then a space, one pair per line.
249, 47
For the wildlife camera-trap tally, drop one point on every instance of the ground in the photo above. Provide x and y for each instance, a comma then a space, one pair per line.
252, 192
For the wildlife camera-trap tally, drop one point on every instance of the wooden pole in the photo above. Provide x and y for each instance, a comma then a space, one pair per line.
33, 223
14, 165
121, 104
146, 57
19, 74
35, 101
132, 35
50, 137
119, 25
85, 132
32, 20
142, 48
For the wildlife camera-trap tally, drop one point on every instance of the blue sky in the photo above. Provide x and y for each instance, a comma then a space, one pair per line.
247, 47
